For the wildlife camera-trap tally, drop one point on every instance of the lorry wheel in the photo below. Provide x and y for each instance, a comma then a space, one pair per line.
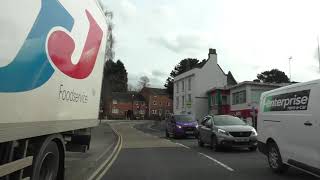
46, 162
275, 160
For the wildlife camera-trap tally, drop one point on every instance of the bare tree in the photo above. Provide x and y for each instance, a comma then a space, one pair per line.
132, 88
144, 82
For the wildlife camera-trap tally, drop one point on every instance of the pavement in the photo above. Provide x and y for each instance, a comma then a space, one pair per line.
81, 166
147, 155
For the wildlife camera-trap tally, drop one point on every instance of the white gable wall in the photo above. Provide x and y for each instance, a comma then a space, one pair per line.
210, 75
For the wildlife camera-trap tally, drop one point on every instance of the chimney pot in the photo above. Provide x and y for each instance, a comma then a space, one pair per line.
212, 51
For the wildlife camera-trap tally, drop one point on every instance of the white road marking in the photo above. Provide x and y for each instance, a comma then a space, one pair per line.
218, 162
104, 167
183, 145
105, 152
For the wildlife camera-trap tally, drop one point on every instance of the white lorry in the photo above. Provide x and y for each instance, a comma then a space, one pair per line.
51, 68
289, 127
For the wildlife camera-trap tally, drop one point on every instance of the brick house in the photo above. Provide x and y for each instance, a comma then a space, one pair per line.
159, 105
126, 105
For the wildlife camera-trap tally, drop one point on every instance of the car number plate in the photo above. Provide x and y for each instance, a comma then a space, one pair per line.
189, 132
242, 140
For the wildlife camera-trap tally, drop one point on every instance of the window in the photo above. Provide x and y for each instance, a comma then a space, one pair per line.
189, 98
189, 83
213, 100
115, 111
168, 103
154, 112
114, 101
167, 112
182, 88
154, 103
182, 102
225, 100
177, 102
160, 103
177, 86
227, 121
160, 112
239, 97
255, 96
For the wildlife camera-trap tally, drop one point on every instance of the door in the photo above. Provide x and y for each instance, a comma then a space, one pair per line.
304, 133
205, 129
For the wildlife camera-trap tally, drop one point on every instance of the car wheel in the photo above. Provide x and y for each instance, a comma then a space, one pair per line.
167, 133
200, 142
253, 148
214, 143
275, 160
175, 136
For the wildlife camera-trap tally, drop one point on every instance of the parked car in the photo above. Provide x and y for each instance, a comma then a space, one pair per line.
288, 126
226, 131
181, 126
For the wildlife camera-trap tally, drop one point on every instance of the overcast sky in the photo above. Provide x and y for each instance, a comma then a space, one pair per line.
250, 36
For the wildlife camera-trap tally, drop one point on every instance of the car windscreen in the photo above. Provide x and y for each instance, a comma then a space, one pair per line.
227, 121
182, 118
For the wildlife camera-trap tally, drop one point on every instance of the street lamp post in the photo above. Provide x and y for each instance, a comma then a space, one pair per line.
290, 59
132, 106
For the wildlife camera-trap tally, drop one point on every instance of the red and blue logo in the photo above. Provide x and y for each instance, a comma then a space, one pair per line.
31, 67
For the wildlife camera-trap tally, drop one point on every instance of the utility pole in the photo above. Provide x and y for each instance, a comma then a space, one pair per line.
132, 115
290, 59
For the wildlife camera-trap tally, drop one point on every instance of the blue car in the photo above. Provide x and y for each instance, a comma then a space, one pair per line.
181, 126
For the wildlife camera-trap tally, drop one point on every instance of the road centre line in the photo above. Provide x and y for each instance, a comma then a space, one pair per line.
104, 167
183, 145
218, 162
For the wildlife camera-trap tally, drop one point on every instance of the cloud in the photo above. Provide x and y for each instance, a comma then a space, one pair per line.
180, 43
164, 12
156, 82
122, 9
157, 78
128, 9
158, 73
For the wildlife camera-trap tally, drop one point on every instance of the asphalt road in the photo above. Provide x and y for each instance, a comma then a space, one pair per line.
80, 166
147, 154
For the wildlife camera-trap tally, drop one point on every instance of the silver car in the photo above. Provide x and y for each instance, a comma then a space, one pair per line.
226, 131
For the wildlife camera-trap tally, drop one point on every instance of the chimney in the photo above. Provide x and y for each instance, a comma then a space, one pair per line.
213, 55
212, 51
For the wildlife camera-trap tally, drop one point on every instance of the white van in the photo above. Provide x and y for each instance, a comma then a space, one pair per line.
289, 127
